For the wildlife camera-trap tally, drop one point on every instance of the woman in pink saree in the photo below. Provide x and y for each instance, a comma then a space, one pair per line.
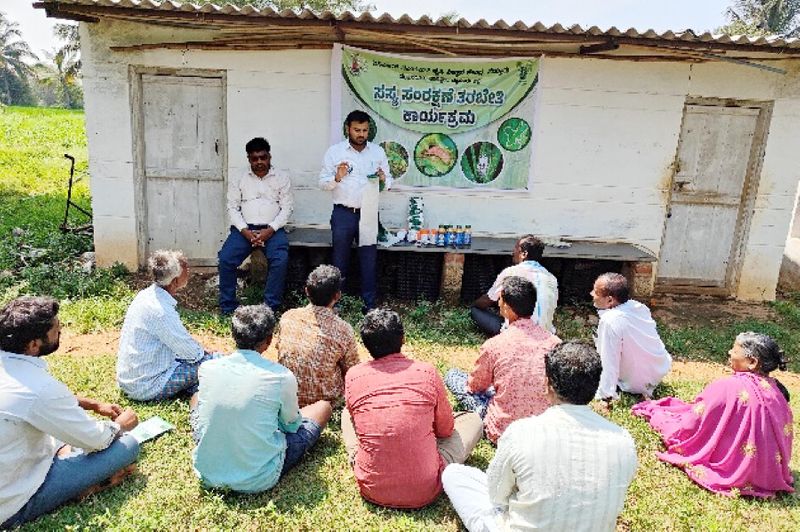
736, 436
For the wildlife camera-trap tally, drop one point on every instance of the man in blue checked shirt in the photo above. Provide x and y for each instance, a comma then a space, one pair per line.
157, 358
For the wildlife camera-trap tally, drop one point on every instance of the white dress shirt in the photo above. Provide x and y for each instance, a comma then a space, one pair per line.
546, 286
350, 190
633, 355
257, 200
152, 343
37, 414
566, 469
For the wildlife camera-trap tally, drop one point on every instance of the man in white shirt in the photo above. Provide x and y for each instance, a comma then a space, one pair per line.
259, 204
352, 170
51, 450
634, 357
565, 469
528, 252
157, 357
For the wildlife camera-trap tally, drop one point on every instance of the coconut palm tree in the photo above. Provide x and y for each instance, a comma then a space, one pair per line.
764, 17
61, 74
13, 53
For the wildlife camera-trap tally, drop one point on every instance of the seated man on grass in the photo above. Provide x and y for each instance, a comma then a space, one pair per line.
51, 450
314, 343
511, 364
528, 252
157, 357
634, 357
566, 469
245, 419
398, 428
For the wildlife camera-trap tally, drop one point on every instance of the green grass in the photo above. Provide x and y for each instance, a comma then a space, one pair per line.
321, 493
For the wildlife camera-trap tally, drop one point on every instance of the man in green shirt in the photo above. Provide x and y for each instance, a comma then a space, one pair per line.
245, 418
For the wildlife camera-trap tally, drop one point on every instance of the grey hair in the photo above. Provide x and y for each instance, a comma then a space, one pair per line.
251, 325
764, 348
165, 265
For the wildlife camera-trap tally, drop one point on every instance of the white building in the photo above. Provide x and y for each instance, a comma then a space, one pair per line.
679, 144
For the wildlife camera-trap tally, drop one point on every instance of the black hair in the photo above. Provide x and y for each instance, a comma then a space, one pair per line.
251, 325
573, 370
24, 320
356, 116
322, 284
382, 332
257, 144
519, 294
532, 246
616, 286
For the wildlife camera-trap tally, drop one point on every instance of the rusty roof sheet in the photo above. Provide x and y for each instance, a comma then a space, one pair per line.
208, 12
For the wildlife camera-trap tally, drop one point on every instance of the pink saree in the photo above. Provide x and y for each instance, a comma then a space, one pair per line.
735, 437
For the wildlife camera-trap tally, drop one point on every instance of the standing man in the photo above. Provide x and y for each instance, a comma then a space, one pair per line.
51, 450
259, 205
528, 252
349, 171
634, 357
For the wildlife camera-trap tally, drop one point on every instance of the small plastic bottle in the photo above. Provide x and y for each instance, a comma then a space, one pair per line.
440, 236
467, 236
459, 243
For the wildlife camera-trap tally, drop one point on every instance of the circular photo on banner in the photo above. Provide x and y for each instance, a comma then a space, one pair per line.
373, 129
435, 154
397, 156
482, 162
514, 134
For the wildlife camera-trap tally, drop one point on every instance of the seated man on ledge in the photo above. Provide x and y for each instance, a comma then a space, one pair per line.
634, 357
566, 469
157, 356
245, 419
511, 364
398, 427
314, 343
527, 252
51, 450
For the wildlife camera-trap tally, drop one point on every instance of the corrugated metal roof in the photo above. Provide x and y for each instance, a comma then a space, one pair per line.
207, 13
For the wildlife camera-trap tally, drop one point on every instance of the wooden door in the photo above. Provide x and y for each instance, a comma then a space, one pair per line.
183, 164
704, 219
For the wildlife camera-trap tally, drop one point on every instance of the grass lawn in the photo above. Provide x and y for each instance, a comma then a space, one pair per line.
321, 493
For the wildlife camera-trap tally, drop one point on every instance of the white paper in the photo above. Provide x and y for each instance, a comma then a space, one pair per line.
152, 428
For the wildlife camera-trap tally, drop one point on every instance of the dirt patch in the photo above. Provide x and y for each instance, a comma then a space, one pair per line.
688, 311
199, 294
108, 342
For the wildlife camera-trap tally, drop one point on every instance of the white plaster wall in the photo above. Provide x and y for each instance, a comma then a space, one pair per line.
605, 136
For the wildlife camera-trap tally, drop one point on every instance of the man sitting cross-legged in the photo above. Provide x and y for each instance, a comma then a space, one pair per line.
398, 427
51, 450
511, 362
316, 344
566, 469
245, 419
157, 357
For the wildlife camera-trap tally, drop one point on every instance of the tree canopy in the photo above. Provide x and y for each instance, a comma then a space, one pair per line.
763, 17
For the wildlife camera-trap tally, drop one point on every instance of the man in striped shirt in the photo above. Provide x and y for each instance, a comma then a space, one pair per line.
157, 357
566, 469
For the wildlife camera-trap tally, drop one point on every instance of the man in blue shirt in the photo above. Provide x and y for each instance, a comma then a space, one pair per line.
245, 418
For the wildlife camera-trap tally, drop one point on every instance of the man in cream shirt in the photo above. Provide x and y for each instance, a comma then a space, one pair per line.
566, 469
259, 205
346, 171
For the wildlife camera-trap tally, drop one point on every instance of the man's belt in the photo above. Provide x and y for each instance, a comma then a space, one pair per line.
353, 209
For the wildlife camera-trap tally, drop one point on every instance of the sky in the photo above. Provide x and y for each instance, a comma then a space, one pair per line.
661, 15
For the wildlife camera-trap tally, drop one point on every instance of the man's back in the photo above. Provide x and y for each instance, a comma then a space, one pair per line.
399, 408
318, 347
244, 401
513, 362
567, 469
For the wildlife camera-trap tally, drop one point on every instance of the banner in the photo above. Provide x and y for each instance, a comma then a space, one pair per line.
445, 123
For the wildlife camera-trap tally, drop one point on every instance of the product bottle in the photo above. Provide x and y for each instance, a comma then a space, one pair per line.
467, 236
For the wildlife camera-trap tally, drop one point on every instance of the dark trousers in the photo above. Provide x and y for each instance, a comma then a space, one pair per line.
344, 229
487, 321
235, 249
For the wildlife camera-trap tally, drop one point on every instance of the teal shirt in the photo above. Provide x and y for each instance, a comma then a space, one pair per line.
246, 404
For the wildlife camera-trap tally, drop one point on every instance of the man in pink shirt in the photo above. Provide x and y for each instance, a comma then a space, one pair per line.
398, 426
508, 381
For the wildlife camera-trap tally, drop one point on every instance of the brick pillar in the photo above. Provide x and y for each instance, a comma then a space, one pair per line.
452, 274
640, 278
